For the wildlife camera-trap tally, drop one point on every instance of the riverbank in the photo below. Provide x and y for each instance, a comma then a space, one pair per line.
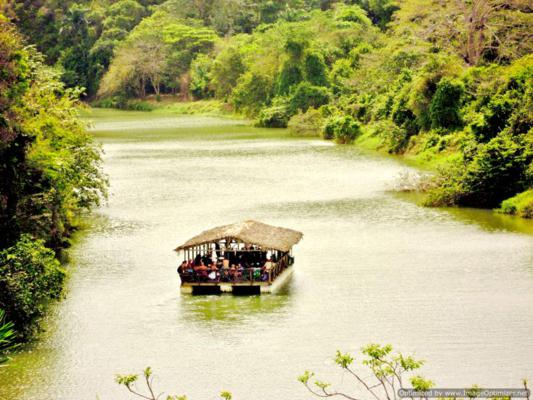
427, 151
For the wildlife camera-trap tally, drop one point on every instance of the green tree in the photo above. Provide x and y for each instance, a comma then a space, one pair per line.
290, 75
228, 66
476, 30
76, 42
253, 91
380, 11
155, 55
315, 69
120, 18
305, 96
201, 77
445, 104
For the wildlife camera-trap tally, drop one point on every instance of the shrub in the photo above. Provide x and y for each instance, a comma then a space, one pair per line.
276, 116
122, 103
445, 104
520, 205
307, 124
497, 171
30, 276
328, 130
108, 102
138, 105
393, 138
344, 129
306, 96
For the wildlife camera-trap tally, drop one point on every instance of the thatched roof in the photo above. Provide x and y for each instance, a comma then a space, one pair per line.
253, 232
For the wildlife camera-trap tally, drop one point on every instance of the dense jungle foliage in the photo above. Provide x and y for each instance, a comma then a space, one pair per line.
447, 83
49, 173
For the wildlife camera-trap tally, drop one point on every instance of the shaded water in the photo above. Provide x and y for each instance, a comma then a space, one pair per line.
453, 286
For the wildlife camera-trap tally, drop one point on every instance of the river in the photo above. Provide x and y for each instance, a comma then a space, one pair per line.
454, 287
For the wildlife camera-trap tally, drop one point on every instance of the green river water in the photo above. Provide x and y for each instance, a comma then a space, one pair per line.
455, 287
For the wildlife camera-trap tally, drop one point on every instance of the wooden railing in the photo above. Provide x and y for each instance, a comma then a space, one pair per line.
247, 275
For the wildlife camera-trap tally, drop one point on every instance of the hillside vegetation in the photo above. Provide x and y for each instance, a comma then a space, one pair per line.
446, 83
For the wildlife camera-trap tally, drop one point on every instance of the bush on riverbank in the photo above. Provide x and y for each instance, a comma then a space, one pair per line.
309, 123
520, 205
122, 103
343, 128
276, 116
30, 276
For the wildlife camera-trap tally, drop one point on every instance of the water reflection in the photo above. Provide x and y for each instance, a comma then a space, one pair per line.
233, 311
485, 219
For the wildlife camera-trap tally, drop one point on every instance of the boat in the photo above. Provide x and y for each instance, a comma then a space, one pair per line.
248, 257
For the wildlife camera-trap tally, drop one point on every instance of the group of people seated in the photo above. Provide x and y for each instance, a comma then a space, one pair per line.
233, 266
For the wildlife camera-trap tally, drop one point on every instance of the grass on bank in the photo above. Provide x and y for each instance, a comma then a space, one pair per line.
169, 104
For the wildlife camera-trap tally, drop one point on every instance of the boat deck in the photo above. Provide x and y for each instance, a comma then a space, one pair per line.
244, 287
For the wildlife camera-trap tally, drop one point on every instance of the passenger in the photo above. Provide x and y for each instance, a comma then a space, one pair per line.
267, 267
201, 270
197, 260
225, 264
238, 271
182, 267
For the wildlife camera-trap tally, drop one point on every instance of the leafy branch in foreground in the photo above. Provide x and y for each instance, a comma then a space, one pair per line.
7, 336
388, 374
149, 393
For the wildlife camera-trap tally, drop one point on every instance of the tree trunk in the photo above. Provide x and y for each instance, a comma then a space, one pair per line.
156, 84
476, 17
